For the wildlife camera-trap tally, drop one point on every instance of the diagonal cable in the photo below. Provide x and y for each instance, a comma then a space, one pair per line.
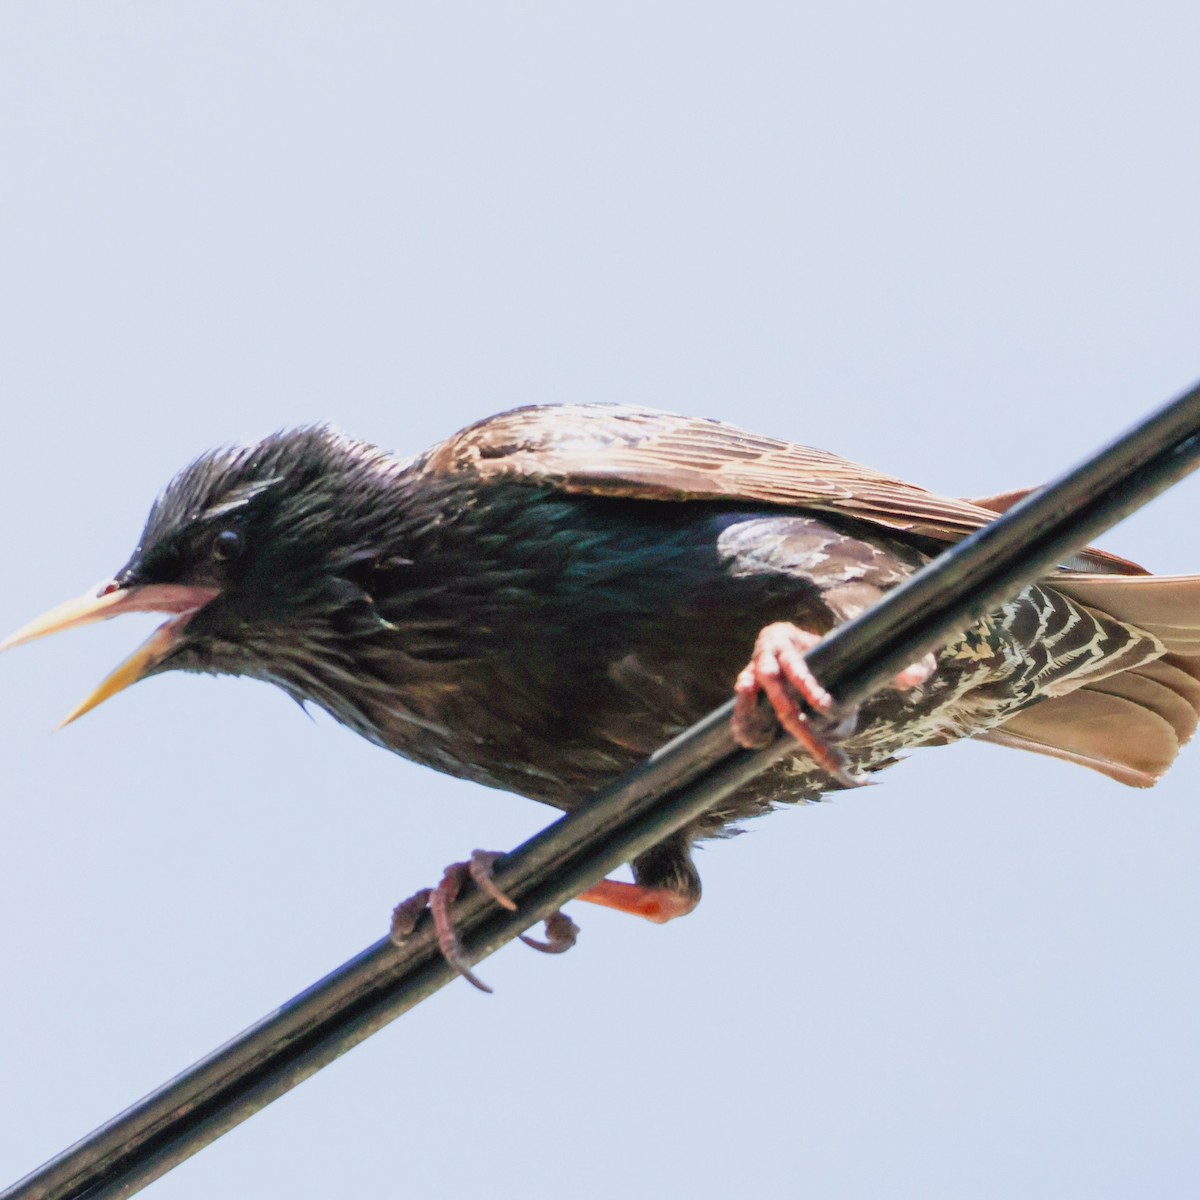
677, 784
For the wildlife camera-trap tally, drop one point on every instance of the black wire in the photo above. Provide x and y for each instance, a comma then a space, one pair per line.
681, 781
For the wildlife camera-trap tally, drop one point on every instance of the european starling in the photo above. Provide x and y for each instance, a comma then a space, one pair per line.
541, 601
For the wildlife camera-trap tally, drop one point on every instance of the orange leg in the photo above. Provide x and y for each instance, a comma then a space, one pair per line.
657, 904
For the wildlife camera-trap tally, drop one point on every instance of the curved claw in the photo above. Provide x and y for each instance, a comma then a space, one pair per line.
561, 935
778, 669
440, 900
561, 931
480, 866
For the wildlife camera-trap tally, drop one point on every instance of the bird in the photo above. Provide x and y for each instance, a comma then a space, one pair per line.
542, 600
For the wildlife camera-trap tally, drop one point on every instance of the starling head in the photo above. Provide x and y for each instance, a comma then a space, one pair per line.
260, 553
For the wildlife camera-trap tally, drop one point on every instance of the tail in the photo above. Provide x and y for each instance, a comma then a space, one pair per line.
1131, 725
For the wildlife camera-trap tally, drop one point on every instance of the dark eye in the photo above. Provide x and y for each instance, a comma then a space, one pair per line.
226, 545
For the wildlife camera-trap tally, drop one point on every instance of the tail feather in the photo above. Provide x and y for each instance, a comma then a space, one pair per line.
1110, 734
1167, 606
1169, 693
1130, 725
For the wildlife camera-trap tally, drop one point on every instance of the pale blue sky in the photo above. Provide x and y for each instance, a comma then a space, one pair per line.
957, 242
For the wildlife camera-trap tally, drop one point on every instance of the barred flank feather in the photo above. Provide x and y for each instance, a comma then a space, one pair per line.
1129, 725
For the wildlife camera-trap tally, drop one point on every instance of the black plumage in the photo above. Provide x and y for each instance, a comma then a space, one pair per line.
541, 601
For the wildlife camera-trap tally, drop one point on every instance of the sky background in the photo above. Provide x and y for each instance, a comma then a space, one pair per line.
957, 242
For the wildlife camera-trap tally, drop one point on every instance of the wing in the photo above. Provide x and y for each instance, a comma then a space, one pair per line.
1128, 726
614, 450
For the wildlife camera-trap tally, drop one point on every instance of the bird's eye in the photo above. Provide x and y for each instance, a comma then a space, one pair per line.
227, 545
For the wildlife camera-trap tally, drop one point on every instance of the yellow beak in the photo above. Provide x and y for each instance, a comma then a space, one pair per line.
111, 600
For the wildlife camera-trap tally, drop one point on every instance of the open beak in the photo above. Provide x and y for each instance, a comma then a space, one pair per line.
111, 600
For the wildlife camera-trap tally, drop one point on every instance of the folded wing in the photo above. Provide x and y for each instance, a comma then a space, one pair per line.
1128, 725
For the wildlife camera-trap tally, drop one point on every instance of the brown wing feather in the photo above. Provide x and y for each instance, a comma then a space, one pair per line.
1088, 559
614, 450
1129, 725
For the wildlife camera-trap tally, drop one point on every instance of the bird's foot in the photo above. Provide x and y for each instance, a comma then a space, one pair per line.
561, 931
561, 934
779, 670
657, 904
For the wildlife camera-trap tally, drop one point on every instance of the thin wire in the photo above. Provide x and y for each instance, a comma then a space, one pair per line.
677, 784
